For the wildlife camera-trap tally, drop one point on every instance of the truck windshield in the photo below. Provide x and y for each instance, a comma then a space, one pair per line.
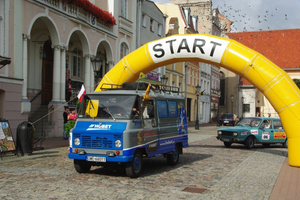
107, 106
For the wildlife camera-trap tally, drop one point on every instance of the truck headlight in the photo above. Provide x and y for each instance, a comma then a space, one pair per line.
235, 134
118, 143
70, 139
220, 132
77, 141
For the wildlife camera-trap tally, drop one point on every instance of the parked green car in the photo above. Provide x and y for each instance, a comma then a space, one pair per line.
254, 130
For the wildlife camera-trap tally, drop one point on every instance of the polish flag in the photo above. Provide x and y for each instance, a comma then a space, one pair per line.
81, 93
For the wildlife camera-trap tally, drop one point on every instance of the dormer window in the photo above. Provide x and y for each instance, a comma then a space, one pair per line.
195, 22
187, 13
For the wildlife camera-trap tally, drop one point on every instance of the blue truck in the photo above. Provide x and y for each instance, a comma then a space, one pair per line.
124, 124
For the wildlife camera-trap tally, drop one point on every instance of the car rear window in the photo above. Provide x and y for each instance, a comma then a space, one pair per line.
227, 115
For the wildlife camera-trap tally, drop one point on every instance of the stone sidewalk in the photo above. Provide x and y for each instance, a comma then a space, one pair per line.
223, 173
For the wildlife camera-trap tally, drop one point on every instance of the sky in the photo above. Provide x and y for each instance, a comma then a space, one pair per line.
256, 15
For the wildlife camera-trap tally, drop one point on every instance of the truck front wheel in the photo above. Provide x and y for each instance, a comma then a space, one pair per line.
81, 166
134, 168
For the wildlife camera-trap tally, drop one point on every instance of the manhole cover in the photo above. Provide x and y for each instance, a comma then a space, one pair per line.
194, 189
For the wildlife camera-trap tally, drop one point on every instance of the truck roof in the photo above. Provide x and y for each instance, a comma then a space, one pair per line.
140, 89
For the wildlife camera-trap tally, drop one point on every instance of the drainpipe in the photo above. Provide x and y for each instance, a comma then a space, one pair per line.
138, 30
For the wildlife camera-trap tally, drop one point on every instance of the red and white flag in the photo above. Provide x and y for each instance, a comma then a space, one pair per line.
81, 93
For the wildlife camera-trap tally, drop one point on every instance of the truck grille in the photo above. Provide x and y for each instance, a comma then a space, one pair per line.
98, 142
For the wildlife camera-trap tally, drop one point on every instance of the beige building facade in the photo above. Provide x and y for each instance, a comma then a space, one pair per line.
184, 75
49, 42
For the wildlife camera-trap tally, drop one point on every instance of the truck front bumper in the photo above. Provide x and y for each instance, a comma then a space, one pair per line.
108, 158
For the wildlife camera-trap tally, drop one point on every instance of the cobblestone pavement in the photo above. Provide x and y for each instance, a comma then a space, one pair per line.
225, 173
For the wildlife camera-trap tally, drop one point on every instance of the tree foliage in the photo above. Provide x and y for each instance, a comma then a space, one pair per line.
297, 81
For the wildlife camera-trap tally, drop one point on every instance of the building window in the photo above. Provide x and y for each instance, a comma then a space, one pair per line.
144, 21
222, 89
188, 75
174, 66
159, 30
179, 85
76, 65
195, 77
191, 77
123, 50
124, 7
201, 110
151, 25
246, 107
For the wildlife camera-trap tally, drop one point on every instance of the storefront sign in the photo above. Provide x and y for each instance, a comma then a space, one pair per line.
6, 137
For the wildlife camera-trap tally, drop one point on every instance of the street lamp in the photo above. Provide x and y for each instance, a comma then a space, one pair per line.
164, 80
242, 107
198, 87
97, 63
218, 114
231, 103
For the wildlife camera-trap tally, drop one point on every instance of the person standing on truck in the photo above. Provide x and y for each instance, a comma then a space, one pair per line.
65, 116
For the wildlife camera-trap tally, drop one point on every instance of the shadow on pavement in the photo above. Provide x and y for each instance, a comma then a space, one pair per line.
152, 166
275, 149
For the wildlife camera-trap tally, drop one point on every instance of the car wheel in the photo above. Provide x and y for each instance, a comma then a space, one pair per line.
249, 143
134, 168
266, 145
285, 144
81, 166
173, 158
227, 144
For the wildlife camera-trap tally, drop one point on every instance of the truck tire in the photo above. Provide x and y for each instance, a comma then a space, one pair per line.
134, 168
249, 143
81, 166
173, 158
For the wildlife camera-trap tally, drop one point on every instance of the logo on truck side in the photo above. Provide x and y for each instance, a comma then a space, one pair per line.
99, 127
152, 147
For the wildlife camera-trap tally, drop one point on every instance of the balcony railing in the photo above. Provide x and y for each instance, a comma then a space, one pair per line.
76, 12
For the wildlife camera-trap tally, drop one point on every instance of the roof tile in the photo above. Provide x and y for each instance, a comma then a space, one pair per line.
282, 47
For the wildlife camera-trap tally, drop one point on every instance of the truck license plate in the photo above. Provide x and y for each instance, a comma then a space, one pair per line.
96, 159
225, 140
226, 121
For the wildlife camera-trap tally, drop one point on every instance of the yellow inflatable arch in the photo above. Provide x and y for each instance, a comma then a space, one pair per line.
271, 80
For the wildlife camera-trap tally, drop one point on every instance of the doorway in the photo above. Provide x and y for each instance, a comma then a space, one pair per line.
47, 73
257, 112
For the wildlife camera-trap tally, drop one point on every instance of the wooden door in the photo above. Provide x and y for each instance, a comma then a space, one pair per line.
47, 81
